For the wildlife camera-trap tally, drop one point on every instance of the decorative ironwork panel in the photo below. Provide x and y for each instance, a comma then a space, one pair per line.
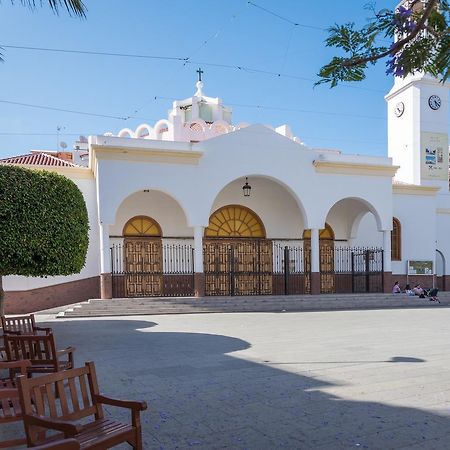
253, 267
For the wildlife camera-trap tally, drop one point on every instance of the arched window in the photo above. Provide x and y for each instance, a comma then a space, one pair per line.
142, 226
396, 240
235, 221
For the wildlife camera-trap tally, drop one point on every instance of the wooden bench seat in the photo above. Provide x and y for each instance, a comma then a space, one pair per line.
78, 398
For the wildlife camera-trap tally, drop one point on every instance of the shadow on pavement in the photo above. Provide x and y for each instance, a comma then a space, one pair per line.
201, 396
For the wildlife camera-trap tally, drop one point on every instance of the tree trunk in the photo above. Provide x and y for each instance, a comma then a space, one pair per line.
2, 297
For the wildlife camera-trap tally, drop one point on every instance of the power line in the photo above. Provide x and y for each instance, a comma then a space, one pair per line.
279, 108
285, 19
89, 52
185, 60
51, 108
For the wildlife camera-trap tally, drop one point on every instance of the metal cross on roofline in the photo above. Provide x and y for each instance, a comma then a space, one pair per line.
199, 71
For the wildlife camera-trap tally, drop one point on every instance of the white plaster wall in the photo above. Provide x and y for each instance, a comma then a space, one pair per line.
92, 266
417, 216
254, 152
443, 228
157, 205
274, 205
367, 234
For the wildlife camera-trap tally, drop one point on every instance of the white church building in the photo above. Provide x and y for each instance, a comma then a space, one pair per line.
196, 205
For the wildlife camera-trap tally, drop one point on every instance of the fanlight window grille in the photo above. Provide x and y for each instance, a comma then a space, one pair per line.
142, 226
235, 221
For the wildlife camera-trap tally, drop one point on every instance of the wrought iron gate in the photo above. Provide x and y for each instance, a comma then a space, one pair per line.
253, 267
367, 270
149, 268
351, 269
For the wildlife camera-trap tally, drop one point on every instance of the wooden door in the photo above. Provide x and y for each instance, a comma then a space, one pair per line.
327, 275
143, 267
326, 265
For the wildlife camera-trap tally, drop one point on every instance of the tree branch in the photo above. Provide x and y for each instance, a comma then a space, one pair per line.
397, 45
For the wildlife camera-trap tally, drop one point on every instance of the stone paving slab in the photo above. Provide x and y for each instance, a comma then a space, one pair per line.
324, 380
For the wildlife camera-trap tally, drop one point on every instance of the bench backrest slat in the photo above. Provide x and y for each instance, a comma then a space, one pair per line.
22, 324
39, 349
57, 396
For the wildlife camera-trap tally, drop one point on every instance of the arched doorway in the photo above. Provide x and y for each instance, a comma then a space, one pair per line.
326, 254
237, 256
142, 257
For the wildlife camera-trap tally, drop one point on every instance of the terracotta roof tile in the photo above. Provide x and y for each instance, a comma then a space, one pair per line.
38, 159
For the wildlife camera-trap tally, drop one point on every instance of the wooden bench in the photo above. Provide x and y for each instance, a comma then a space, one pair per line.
78, 398
40, 350
10, 410
22, 325
65, 444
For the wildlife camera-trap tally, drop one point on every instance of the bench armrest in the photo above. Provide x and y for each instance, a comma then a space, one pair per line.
69, 429
46, 329
19, 364
65, 351
130, 404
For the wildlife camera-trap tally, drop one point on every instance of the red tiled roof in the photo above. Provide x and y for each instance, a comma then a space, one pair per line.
38, 159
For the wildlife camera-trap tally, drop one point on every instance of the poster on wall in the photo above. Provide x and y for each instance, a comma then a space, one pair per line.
420, 267
434, 156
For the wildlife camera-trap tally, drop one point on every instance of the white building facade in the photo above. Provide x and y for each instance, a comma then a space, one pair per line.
195, 205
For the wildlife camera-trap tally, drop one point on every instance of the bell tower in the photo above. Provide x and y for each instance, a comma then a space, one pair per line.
418, 128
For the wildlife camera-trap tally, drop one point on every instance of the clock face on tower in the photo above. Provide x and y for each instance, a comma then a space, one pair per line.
399, 109
434, 102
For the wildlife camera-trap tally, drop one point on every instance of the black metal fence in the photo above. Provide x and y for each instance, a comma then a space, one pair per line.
162, 270
244, 267
291, 270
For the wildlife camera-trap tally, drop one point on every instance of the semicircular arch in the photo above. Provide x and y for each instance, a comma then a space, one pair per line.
252, 176
357, 205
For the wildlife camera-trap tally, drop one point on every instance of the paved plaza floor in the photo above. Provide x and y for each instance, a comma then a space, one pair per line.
322, 380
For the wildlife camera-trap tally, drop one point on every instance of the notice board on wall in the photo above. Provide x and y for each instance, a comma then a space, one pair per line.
420, 267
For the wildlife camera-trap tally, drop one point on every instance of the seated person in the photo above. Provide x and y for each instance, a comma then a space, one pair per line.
418, 290
396, 288
408, 291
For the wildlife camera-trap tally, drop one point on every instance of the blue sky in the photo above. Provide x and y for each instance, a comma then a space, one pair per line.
352, 119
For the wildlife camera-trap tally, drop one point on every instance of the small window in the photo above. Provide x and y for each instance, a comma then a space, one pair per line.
396, 240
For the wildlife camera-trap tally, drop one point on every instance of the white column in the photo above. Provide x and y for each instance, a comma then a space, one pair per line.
105, 251
315, 264
387, 251
198, 249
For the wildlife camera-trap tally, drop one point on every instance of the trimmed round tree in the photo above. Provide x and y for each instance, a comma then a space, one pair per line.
43, 224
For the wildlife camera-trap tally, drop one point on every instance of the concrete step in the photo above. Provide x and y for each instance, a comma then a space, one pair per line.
189, 305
